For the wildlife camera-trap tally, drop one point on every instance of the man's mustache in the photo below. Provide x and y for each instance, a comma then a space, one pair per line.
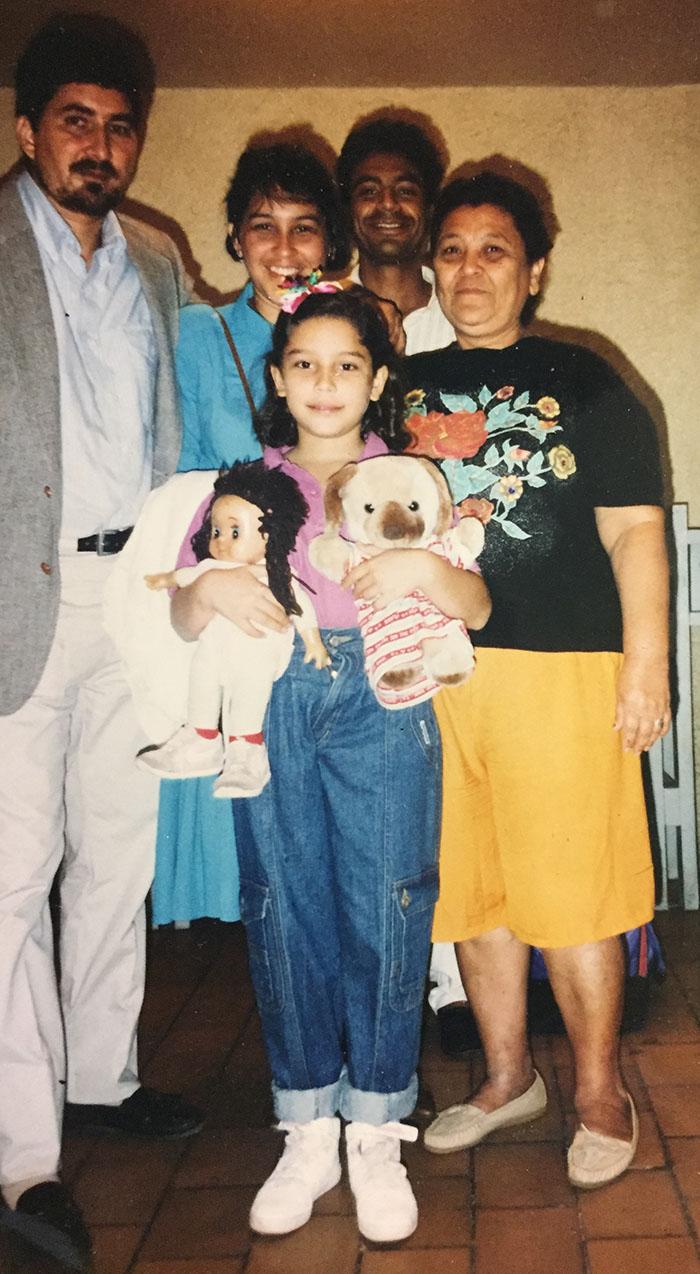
93, 168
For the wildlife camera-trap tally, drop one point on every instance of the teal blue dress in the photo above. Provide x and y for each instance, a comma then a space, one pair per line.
196, 866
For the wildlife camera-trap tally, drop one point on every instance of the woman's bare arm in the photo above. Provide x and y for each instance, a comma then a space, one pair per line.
635, 542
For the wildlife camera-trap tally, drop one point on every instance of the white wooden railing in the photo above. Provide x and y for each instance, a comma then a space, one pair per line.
671, 759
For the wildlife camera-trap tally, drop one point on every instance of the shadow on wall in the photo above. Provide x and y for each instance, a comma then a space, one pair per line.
163, 224
306, 135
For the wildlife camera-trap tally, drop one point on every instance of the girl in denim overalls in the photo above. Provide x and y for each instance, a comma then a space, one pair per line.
338, 853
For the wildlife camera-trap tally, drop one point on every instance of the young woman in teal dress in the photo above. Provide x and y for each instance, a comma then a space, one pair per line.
284, 220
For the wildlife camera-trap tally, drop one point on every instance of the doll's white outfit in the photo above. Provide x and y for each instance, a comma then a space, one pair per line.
231, 678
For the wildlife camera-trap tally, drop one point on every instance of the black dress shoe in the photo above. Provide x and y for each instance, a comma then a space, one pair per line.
458, 1032
147, 1113
48, 1219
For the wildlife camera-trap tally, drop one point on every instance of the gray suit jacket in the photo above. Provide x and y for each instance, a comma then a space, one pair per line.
30, 434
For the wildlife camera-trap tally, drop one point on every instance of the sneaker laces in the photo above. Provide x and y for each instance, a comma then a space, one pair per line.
377, 1148
294, 1162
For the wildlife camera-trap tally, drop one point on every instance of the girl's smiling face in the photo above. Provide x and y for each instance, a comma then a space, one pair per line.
326, 375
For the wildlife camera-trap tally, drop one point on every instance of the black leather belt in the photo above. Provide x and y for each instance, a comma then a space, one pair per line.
105, 543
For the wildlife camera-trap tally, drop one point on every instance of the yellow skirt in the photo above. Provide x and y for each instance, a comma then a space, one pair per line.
544, 823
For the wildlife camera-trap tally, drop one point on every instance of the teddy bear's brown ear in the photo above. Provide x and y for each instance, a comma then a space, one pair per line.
443, 521
333, 505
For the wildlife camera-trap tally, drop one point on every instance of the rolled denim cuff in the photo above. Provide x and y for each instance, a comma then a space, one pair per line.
302, 1105
377, 1108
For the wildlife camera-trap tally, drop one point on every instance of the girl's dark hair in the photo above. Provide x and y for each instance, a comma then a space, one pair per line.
83, 48
284, 512
288, 171
509, 195
276, 427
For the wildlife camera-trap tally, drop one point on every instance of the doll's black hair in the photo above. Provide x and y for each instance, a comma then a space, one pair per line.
284, 511
275, 425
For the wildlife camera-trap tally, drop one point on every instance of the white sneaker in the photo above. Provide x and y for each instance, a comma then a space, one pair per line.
310, 1165
386, 1207
246, 770
185, 755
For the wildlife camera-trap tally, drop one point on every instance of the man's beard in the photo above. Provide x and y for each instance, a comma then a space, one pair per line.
390, 252
93, 202
93, 198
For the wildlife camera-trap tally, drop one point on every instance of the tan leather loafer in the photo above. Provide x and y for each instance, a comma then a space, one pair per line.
461, 1126
595, 1159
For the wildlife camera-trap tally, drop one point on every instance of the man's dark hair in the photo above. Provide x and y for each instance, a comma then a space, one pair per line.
288, 171
391, 137
84, 48
502, 192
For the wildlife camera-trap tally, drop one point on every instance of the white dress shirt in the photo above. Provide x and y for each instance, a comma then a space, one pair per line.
107, 359
426, 328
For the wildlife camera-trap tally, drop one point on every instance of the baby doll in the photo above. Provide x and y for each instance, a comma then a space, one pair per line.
390, 502
253, 520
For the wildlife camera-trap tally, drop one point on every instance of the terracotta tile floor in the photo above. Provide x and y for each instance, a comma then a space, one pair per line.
181, 1207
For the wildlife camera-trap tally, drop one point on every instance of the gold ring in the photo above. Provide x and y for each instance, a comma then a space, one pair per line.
659, 723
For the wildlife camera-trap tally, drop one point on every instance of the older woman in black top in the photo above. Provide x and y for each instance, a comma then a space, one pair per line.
544, 840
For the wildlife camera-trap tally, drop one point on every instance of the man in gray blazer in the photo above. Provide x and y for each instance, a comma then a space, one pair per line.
88, 423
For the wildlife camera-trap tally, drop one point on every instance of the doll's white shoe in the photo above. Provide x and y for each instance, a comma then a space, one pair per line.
185, 755
246, 770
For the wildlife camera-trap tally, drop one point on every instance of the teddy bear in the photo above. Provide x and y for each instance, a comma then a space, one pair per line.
389, 502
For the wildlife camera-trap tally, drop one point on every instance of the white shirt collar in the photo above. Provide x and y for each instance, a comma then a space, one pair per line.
53, 233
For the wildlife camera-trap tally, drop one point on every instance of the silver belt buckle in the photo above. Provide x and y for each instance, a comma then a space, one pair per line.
100, 550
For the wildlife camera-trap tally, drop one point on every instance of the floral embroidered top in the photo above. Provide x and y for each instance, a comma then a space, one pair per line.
532, 439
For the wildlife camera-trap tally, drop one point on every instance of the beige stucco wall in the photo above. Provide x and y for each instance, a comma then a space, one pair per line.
622, 164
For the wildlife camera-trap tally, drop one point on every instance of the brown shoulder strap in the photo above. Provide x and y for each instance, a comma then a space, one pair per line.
239, 366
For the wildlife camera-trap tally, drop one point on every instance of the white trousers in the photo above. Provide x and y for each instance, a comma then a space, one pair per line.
71, 797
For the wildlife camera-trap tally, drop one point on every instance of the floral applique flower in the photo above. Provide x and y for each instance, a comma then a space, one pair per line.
473, 507
562, 461
466, 434
476, 440
427, 431
456, 436
415, 397
510, 488
548, 407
